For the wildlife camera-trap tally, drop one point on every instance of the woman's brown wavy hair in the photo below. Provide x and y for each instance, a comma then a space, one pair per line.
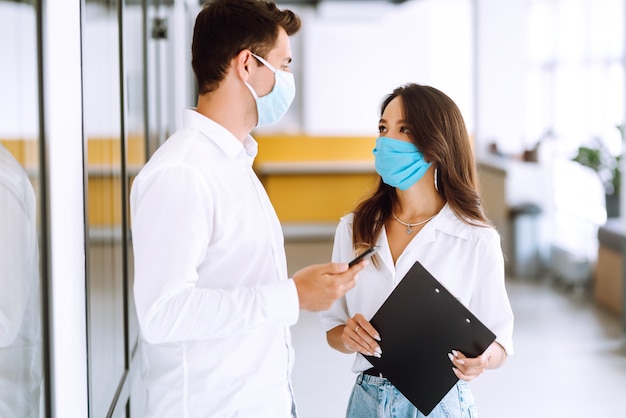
437, 128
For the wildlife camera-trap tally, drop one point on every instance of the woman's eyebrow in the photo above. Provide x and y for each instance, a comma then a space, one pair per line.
400, 121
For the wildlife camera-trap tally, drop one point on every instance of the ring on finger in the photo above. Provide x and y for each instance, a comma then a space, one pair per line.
357, 329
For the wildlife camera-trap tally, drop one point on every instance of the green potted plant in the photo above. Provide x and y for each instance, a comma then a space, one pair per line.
598, 157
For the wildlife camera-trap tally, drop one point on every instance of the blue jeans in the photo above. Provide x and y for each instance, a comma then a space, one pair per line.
376, 397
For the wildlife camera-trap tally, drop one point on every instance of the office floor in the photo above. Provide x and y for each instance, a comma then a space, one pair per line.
570, 356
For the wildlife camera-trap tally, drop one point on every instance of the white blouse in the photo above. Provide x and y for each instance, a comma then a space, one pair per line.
211, 289
466, 259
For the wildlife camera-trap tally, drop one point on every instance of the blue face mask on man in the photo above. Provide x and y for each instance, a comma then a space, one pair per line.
399, 163
273, 106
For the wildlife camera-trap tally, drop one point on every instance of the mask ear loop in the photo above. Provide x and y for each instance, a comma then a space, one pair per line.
264, 62
268, 65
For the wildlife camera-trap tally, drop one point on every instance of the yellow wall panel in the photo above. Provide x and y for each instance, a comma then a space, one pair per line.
335, 174
104, 202
25, 151
104, 186
106, 151
317, 198
314, 148
315, 179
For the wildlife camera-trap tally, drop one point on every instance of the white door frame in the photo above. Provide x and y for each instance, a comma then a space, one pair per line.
63, 142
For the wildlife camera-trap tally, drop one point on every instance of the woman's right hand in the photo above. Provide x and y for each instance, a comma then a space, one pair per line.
359, 335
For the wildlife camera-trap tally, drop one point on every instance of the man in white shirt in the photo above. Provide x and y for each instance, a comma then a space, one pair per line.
213, 297
20, 315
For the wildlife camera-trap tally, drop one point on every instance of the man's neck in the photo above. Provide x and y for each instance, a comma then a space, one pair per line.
226, 108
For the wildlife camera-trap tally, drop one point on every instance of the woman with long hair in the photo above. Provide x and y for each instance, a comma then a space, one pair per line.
426, 208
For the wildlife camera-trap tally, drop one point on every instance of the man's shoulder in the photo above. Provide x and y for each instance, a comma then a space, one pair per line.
184, 147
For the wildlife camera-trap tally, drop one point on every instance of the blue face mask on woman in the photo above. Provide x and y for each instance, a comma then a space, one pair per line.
399, 163
273, 106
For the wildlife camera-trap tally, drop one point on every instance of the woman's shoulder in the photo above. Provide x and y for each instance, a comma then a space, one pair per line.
347, 218
471, 230
345, 224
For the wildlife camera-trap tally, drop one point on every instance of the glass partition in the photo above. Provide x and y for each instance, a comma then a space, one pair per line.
102, 121
135, 103
21, 332
135, 123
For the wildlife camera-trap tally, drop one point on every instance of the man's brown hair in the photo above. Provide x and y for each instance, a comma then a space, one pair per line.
224, 28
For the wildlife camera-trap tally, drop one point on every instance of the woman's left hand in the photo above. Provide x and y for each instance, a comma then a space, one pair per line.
466, 368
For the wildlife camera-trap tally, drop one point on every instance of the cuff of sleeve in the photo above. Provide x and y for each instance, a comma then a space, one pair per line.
330, 323
507, 345
286, 307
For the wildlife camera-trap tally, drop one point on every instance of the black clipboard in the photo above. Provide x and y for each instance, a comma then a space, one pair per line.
419, 324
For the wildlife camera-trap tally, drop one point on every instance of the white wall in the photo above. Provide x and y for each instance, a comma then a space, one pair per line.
349, 55
18, 80
501, 50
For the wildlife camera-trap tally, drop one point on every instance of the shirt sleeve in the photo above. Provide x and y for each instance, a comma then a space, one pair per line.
490, 301
342, 252
171, 229
16, 247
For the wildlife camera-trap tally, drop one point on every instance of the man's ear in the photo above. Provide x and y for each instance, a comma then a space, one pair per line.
242, 63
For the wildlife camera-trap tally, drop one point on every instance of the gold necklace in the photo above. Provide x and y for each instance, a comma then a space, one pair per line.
409, 226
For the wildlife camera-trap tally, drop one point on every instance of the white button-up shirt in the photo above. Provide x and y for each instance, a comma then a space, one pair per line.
211, 289
466, 259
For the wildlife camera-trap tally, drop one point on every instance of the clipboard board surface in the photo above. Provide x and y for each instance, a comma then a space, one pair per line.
419, 324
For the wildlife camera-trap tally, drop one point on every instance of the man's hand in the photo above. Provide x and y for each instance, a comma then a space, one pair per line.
320, 285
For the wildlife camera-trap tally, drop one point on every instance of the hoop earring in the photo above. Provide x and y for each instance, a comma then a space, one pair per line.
436, 182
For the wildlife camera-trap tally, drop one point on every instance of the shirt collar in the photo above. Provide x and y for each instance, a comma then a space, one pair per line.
444, 222
221, 136
447, 222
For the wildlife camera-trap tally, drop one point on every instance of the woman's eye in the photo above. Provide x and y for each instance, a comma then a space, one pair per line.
404, 130
381, 129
